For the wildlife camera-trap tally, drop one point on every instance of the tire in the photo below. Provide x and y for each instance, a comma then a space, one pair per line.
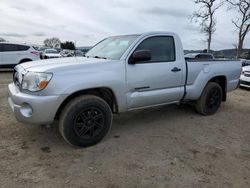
85, 121
210, 99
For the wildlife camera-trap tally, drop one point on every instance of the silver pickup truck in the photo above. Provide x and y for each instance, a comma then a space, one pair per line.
119, 74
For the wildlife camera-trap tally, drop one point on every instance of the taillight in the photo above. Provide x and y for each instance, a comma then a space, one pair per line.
35, 52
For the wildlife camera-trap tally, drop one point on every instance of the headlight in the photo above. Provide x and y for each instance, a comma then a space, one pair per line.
34, 81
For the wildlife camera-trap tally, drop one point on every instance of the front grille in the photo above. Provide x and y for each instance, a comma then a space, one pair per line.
247, 73
245, 83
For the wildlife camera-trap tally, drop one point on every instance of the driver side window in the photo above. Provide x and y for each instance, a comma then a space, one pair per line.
162, 48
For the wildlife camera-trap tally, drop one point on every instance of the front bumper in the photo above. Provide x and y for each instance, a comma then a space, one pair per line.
245, 81
33, 108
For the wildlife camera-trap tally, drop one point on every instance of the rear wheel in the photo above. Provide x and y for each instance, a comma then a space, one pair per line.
210, 100
85, 121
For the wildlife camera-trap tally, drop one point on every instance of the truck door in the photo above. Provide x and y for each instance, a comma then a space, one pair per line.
159, 80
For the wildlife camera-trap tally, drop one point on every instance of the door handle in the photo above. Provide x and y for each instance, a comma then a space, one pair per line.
176, 69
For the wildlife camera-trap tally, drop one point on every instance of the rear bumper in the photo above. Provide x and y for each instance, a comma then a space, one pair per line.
32, 108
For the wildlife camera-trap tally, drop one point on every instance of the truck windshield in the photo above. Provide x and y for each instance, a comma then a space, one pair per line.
112, 47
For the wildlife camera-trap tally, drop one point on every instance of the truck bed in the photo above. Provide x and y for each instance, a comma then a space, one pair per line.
199, 72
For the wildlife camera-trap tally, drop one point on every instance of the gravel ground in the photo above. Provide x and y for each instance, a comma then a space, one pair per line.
169, 146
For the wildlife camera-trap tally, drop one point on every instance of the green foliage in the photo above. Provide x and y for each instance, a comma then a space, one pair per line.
204, 51
68, 45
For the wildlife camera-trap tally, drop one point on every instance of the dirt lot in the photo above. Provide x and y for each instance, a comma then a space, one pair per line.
168, 146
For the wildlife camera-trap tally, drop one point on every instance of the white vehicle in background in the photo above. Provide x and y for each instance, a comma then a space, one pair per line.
50, 53
245, 62
67, 53
245, 77
12, 54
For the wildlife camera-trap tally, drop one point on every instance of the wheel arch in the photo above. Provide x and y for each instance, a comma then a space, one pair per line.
103, 92
24, 60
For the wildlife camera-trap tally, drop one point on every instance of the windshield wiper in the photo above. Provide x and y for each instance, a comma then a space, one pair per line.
99, 57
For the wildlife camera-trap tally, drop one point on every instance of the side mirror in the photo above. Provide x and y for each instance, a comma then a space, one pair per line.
140, 55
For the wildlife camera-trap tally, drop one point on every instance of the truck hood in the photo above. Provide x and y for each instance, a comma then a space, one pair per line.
53, 65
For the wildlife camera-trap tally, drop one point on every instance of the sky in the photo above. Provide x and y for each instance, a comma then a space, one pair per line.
88, 21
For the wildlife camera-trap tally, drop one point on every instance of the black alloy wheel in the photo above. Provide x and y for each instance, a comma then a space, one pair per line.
89, 122
210, 99
85, 120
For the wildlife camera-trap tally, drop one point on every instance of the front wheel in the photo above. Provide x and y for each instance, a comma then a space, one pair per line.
85, 121
210, 100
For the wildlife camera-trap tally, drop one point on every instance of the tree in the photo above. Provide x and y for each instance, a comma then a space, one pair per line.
68, 45
206, 17
2, 39
52, 42
242, 22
